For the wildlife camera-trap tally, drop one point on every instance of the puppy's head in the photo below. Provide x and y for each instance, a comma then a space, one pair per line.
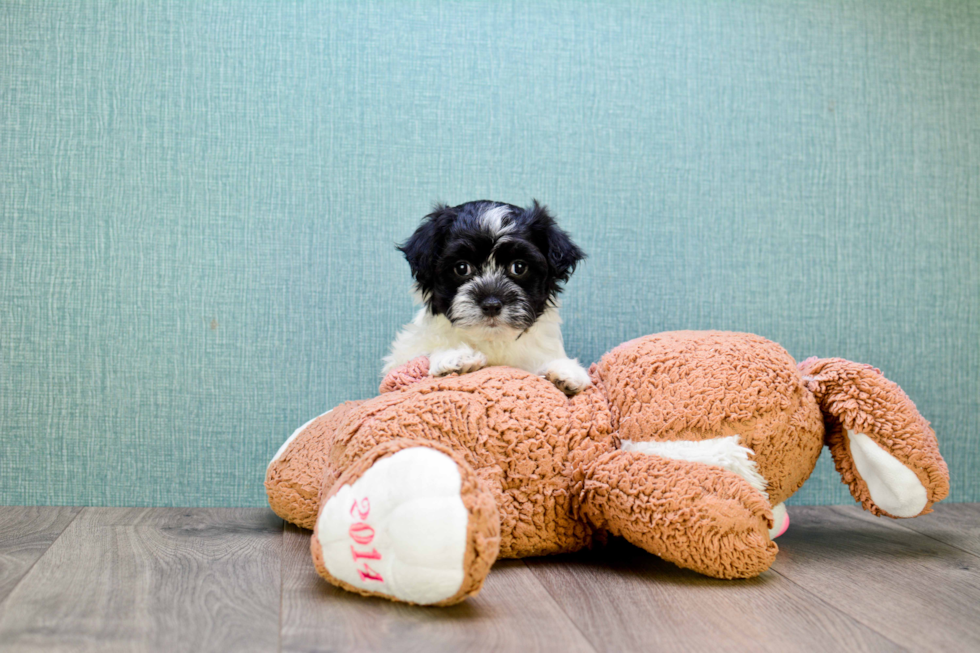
490, 266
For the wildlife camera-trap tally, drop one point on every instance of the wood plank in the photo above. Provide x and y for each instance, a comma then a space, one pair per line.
910, 587
626, 599
26, 532
152, 579
956, 524
512, 612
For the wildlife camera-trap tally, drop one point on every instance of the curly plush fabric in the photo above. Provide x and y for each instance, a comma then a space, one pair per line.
294, 478
683, 445
687, 513
695, 386
411, 372
857, 398
522, 465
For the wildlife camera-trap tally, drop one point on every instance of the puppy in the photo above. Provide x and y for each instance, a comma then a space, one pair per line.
488, 275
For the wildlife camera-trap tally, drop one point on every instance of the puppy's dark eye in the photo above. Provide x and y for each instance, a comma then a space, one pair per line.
517, 268
462, 269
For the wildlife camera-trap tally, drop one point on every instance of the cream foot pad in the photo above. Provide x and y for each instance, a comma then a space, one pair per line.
400, 529
780, 521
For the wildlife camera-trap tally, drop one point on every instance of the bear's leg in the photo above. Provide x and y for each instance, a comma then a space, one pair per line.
408, 521
697, 516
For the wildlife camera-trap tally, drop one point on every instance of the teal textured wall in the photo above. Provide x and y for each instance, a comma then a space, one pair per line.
199, 203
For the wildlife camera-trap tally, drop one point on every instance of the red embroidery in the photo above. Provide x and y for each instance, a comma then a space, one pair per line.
369, 574
374, 555
362, 533
363, 511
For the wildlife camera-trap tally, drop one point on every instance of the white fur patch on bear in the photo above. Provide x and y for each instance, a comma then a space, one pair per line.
289, 440
400, 529
893, 487
724, 452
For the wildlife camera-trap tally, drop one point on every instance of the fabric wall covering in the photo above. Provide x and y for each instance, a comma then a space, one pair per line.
199, 202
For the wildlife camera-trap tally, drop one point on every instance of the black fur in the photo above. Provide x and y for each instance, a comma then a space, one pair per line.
451, 235
563, 255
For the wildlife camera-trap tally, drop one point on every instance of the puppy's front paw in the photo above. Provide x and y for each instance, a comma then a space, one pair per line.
456, 361
568, 376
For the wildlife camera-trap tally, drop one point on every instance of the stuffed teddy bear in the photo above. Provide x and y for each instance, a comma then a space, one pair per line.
686, 444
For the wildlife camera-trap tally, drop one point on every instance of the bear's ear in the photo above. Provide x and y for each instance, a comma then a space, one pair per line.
422, 248
562, 254
882, 446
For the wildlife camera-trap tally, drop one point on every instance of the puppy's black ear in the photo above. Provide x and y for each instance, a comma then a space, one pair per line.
563, 255
422, 248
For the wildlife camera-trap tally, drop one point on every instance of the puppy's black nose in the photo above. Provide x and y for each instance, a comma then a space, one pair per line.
491, 306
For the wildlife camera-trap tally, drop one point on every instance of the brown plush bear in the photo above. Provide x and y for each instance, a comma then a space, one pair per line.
686, 444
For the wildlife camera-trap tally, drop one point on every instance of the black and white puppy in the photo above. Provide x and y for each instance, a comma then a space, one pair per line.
488, 275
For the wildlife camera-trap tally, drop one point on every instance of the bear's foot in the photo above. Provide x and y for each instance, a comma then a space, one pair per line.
780, 521
414, 526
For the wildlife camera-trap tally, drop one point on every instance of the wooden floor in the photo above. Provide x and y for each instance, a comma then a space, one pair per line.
170, 579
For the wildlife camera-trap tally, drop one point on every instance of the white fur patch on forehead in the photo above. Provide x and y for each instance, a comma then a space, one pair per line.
490, 271
493, 219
